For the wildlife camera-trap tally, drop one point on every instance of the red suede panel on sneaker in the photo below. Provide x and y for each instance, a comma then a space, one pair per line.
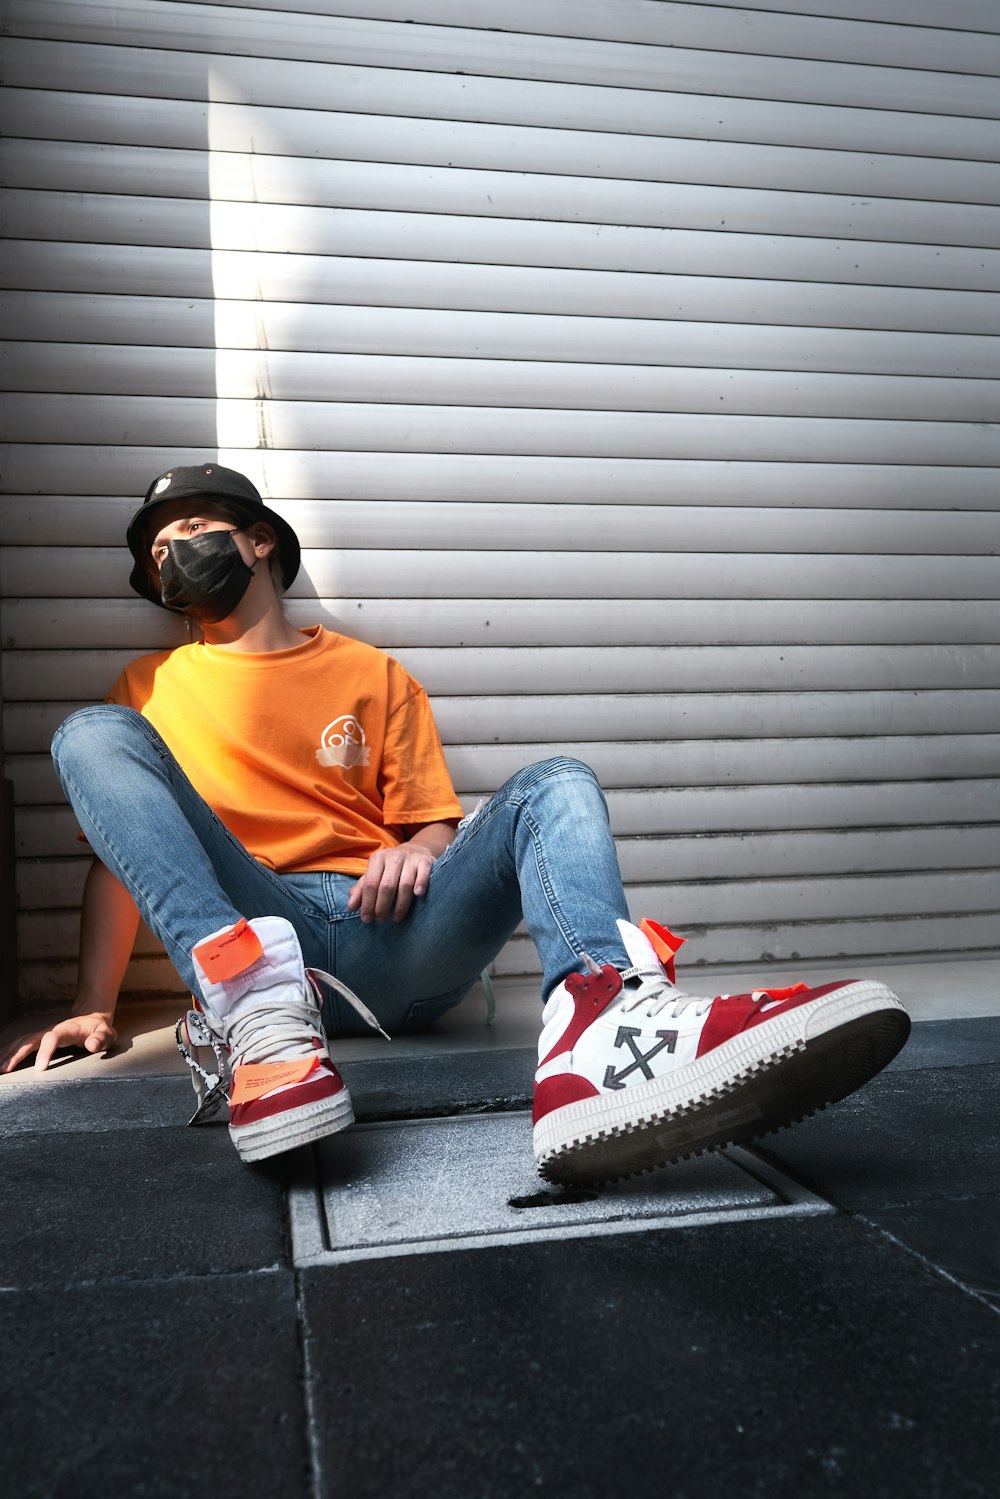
323, 1084
231, 953
591, 993
725, 1019
555, 1092
741, 1012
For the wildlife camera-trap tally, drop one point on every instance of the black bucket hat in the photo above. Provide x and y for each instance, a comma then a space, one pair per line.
213, 482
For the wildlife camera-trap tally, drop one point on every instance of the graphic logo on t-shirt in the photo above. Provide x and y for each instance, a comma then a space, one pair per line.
343, 743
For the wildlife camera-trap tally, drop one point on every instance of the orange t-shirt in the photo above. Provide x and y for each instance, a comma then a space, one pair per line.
313, 757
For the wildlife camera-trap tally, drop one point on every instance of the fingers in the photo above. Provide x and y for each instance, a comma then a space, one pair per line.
382, 901
49, 1045
367, 888
423, 874
405, 891
388, 886
101, 1037
15, 1052
93, 1032
414, 878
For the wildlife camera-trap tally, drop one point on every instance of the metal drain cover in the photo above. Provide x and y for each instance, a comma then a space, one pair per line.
425, 1185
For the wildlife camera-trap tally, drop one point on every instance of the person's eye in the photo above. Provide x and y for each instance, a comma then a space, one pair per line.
195, 525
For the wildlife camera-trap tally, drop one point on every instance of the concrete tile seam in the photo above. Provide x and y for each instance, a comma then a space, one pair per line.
180, 1278
309, 1386
93, 1121
952, 1197
928, 1264
307, 1374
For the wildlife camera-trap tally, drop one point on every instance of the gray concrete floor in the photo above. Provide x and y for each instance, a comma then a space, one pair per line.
933, 989
165, 1334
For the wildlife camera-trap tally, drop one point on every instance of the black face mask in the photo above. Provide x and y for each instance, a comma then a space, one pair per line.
204, 577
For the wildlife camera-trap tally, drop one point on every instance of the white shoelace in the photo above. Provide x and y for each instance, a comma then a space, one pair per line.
257, 1033
266, 1034
656, 993
260, 1031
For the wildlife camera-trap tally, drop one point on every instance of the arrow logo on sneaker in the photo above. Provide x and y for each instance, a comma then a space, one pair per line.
641, 1059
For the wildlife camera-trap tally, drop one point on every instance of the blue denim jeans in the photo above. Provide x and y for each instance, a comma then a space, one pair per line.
540, 848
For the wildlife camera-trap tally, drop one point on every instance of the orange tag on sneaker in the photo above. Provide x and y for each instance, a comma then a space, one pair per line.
254, 1079
230, 953
663, 942
788, 993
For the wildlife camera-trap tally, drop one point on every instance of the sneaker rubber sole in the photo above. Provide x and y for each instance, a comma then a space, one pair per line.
296, 1126
767, 1077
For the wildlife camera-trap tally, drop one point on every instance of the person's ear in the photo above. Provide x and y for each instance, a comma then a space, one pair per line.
264, 538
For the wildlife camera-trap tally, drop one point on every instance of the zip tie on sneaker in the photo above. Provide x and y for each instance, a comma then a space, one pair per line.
212, 1093
192, 1022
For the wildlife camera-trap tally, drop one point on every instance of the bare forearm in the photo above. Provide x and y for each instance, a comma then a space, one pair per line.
433, 836
108, 922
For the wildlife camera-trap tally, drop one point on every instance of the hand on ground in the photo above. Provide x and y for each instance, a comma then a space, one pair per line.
90, 1032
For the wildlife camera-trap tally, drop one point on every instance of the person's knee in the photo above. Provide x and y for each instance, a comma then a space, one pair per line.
97, 730
557, 767
551, 775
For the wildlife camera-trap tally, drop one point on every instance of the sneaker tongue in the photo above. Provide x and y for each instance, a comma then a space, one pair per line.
640, 950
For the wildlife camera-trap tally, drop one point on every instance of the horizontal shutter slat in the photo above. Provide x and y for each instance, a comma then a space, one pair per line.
446, 49
291, 375
43, 676
915, 814
705, 762
58, 883
50, 832
586, 577
527, 248
28, 728
155, 73
184, 125
81, 325
232, 179
399, 428
41, 624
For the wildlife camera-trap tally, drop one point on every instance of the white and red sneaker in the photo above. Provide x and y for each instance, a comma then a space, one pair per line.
634, 1073
261, 1019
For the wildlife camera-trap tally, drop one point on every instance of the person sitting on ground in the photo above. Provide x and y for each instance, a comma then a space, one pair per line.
276, 805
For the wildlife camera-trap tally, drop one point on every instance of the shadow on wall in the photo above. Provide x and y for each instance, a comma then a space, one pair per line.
149, 315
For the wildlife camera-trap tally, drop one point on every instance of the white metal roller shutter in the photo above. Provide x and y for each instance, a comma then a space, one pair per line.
629, 370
